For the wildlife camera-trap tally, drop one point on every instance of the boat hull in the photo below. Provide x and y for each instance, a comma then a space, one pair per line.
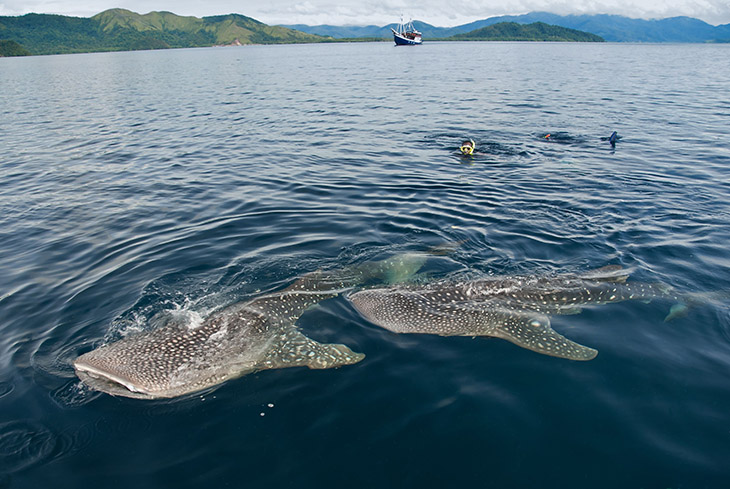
401, 40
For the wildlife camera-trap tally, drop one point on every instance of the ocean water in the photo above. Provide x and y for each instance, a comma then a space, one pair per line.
137, 183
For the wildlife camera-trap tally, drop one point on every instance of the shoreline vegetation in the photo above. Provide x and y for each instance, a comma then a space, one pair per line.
124, 30
537, 31
11, 48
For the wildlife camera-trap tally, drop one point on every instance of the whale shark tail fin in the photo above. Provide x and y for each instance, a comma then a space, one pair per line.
296, 350
685, 302
395, 269
533, 332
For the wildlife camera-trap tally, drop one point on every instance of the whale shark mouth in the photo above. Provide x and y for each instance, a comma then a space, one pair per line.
112, 383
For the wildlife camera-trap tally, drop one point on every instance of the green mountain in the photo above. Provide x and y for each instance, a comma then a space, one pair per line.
123, 30
12, 48
537, 31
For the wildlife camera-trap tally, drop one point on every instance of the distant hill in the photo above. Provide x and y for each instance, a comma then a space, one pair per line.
612, 28
346, 31
120, 30
616, 28
372, 31
12, 48
537, 31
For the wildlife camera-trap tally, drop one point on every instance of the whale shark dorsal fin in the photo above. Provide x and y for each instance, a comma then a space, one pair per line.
533, 332
293, 349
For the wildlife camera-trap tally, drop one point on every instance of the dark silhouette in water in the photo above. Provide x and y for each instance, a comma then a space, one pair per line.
566, 138
560, 137
612, 139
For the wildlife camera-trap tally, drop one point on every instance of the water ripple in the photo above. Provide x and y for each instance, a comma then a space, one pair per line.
24, 444
6, 388
123, 201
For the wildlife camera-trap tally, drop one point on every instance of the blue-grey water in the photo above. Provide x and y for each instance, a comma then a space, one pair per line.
142, 182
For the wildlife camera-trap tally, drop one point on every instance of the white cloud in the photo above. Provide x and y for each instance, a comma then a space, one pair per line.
380, 12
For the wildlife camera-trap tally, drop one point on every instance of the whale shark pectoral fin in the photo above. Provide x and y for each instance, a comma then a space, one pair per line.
533, 332
293, 349
334, 355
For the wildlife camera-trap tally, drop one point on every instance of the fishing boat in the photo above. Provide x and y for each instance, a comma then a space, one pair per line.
406, 34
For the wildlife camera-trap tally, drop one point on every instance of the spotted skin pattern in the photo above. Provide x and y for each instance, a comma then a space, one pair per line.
177, 359
512, 308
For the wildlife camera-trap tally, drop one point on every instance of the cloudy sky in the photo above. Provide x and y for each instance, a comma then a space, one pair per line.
380, 12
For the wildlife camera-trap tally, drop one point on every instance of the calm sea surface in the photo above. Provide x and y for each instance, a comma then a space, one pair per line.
137, 183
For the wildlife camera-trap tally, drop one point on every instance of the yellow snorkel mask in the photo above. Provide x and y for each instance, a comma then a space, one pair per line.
467, 147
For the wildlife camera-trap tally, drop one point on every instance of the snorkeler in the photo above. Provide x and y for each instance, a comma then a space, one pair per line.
467, 147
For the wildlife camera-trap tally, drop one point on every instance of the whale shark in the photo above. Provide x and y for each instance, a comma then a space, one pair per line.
514, 308
177, 358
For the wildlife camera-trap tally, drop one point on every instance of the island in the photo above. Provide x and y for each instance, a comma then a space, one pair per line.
537, 31
124, 30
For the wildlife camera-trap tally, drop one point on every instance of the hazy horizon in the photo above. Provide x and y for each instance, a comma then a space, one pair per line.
382, 12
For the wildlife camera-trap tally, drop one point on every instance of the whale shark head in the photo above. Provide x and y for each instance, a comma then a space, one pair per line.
176, 358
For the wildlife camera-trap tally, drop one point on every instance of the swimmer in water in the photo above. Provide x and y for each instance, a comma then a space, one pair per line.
467, 147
